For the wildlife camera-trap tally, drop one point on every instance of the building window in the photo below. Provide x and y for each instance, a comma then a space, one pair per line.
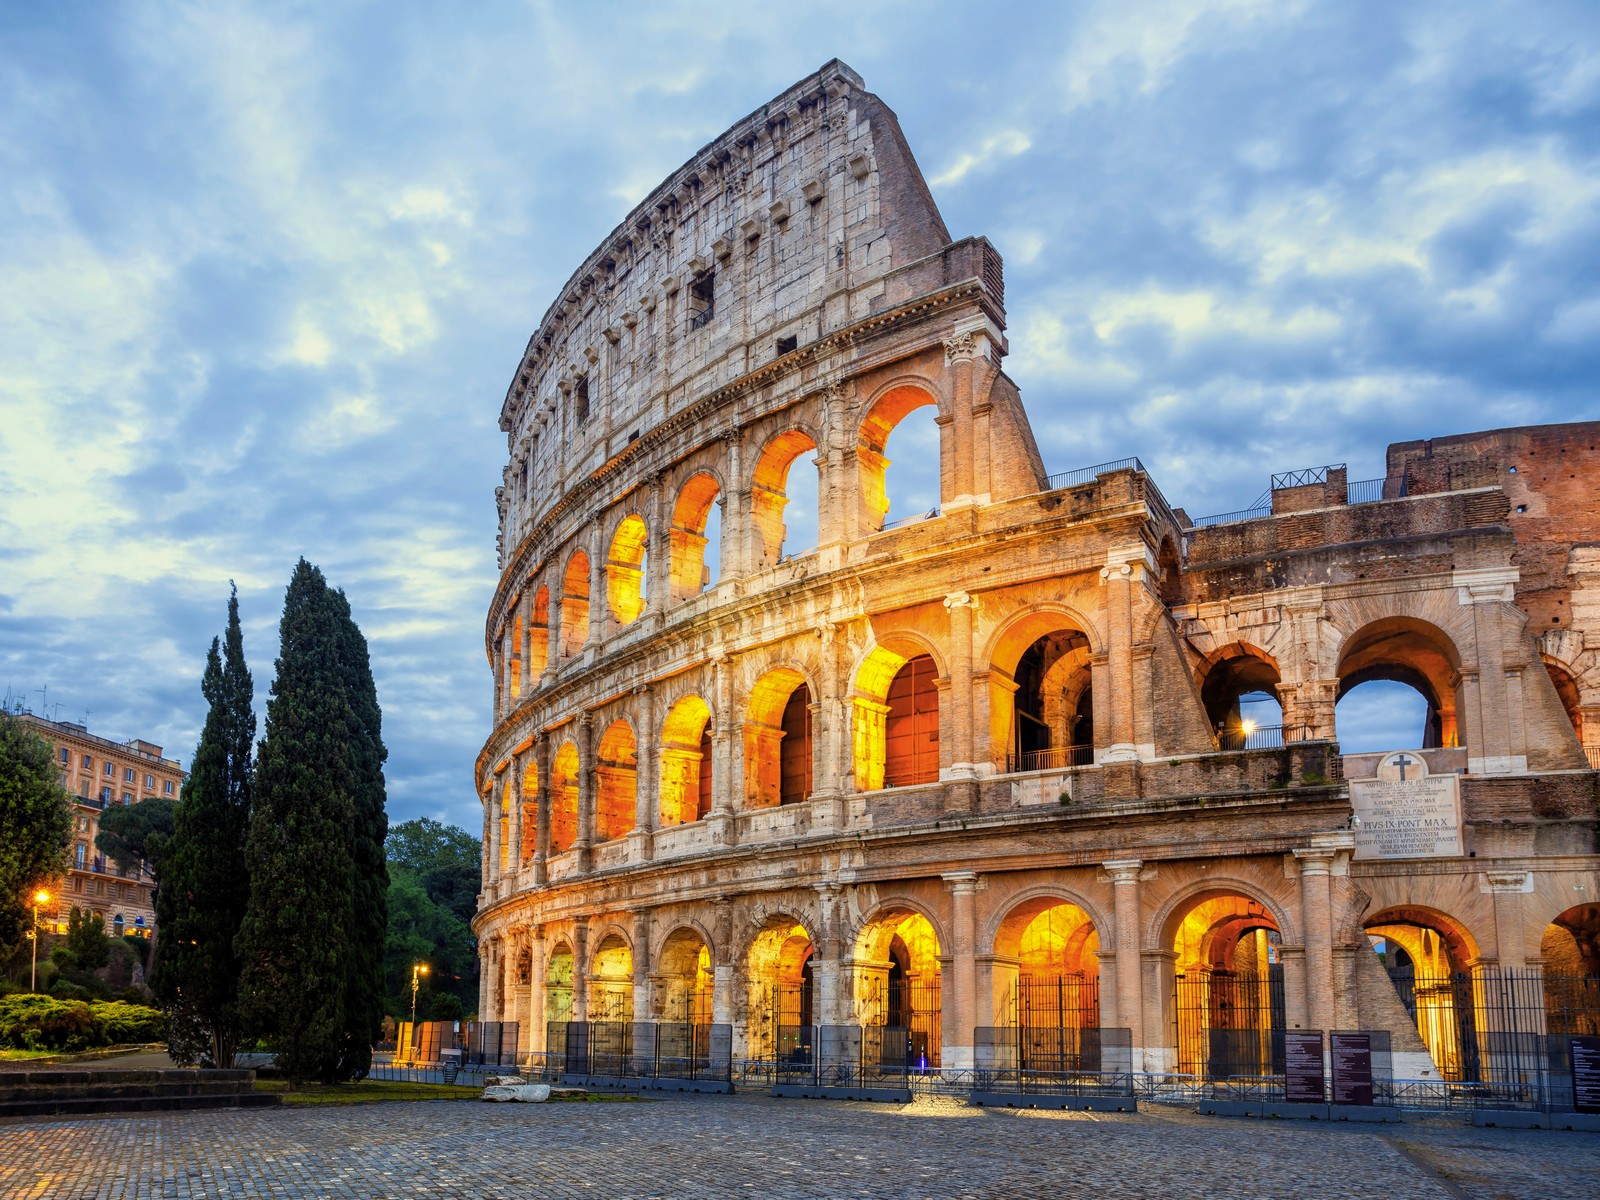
66, 755
77, 883
105, 795
129, 775
79, 854
83, 789
166, 787
702, 299
111, 769
580, 398
150, 781
787, 345
127, 797
88, 763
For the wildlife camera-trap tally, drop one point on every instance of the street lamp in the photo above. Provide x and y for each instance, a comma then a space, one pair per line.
418, 970
39, 897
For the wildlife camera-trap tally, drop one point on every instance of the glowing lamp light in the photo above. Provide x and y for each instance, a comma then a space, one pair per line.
1247, 727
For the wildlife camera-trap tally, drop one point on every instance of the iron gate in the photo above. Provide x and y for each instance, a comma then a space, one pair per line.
1228, 1025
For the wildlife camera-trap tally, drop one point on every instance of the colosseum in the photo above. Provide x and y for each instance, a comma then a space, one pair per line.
986, 770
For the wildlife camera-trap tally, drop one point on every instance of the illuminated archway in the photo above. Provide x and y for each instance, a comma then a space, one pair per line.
1228, 985
770, 496
611, 980
539, 635
1400, 650
780, 1000
897, 980
516, 657
508, 799
627, 570
1427, 956
685, 980
616, 782
887, 414
1570, 949
1240, 694
564, 798
690, 571
685, 763
558, 985
1047, 982
575, 604
777, 740
895, 716
1041, 690
530, 809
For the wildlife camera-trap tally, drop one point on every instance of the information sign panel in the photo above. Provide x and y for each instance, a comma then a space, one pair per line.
1352, 1067
1586, 1074
1302, 1061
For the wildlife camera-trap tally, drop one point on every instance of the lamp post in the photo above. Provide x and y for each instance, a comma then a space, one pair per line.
418, 970
39, 897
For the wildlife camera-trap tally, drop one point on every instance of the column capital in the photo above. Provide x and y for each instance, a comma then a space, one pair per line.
1315, 860
1123, 870
961, 883
961, 600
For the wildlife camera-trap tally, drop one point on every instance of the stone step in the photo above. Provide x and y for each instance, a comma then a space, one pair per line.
132, 1104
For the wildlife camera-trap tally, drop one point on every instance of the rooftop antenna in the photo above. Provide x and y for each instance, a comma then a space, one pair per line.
44, 701
86, 718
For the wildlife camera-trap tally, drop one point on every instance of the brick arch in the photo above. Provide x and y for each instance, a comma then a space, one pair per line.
1455, 933
664, 933
1011, 638
1409, 650
888, 906
597, 938
1053, 893
691, 509
763, 915
769, 486
1163, 924
616, 781
887, 408
776, 742
1228, 673
565, 766
871, 702
684, 766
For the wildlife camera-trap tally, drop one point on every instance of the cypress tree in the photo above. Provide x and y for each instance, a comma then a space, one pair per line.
203, 880
364, 986
295, 942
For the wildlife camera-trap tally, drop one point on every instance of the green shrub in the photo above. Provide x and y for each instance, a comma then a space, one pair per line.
34, 1022
66, 989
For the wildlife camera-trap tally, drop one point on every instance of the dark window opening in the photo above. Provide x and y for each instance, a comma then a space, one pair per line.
702, 299
580, 398
788, 344
703, 779
794, 752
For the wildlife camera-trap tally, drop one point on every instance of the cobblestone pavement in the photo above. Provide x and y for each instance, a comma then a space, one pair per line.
691, 1147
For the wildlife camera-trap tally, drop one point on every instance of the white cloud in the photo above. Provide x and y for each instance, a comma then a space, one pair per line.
1007, 143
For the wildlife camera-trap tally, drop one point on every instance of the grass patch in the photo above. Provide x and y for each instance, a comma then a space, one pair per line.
365, 1091
27, 1055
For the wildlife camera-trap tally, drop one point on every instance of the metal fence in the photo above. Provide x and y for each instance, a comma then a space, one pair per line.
490, 1043
1066, 479
1064, 1061
625, 1051
1055, 758
1230, 1025
846, 1056
1259, 737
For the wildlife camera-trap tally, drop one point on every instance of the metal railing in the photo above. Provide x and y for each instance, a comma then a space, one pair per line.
1307, 475
1259, 737
1364, 491
624, 1052
701, 318
1066, 479
1052, 759
1592, 753
1253, 513
913, 519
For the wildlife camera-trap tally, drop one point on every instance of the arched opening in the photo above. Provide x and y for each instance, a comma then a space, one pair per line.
575, 604
895, 719
780, 1004
783, 499
685, 982
516, 657
611, 981
1169, 568
1400, 654
777, 740
1047, 984
558, 985
530, 810
627, 570
1240, 694
897, 983
539, 634
1428, 958
695, 517
913, 491
508, 799
686, 763
1228, 987
616, 782
1052, 708
1566, 688
564, 798
1570, 949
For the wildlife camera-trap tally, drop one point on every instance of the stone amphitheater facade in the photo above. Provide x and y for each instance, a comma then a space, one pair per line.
936, 772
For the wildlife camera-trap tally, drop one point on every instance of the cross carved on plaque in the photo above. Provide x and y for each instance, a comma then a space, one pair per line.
1403, 761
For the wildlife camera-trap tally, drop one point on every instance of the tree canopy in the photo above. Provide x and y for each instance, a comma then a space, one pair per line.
133, 833
35, 823
433, 885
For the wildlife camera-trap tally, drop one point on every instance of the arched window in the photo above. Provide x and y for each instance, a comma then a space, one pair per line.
530, 810
564, 798
1240, 692
539, 634
1397, 682
1053, 706
777, 740
1229, 992
783, 498
912, 491
626, 570
695, 517
516, 657
616, 783
575, 605
685, 763
911, 726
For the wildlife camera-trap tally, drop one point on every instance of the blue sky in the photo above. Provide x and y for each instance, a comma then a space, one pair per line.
265, 272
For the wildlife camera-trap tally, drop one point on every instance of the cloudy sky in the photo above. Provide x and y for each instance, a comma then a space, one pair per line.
266, 271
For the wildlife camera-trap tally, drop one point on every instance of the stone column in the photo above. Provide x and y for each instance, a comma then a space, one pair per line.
722, 960
541, 832
961, 1016
727, 761
646, 780
1118, 578
735, 562
643, 1007
1511, 943
496, 803
538, 968
580, 969
659, 578
955, 442
599, 603
1317, 863
1158, 972
1492, 732
827, 1002
964, 756
586, 789
837, 501
514, 850
1295, 1007
1124, 873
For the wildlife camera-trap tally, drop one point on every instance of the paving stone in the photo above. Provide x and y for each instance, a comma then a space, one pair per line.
741, 1146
